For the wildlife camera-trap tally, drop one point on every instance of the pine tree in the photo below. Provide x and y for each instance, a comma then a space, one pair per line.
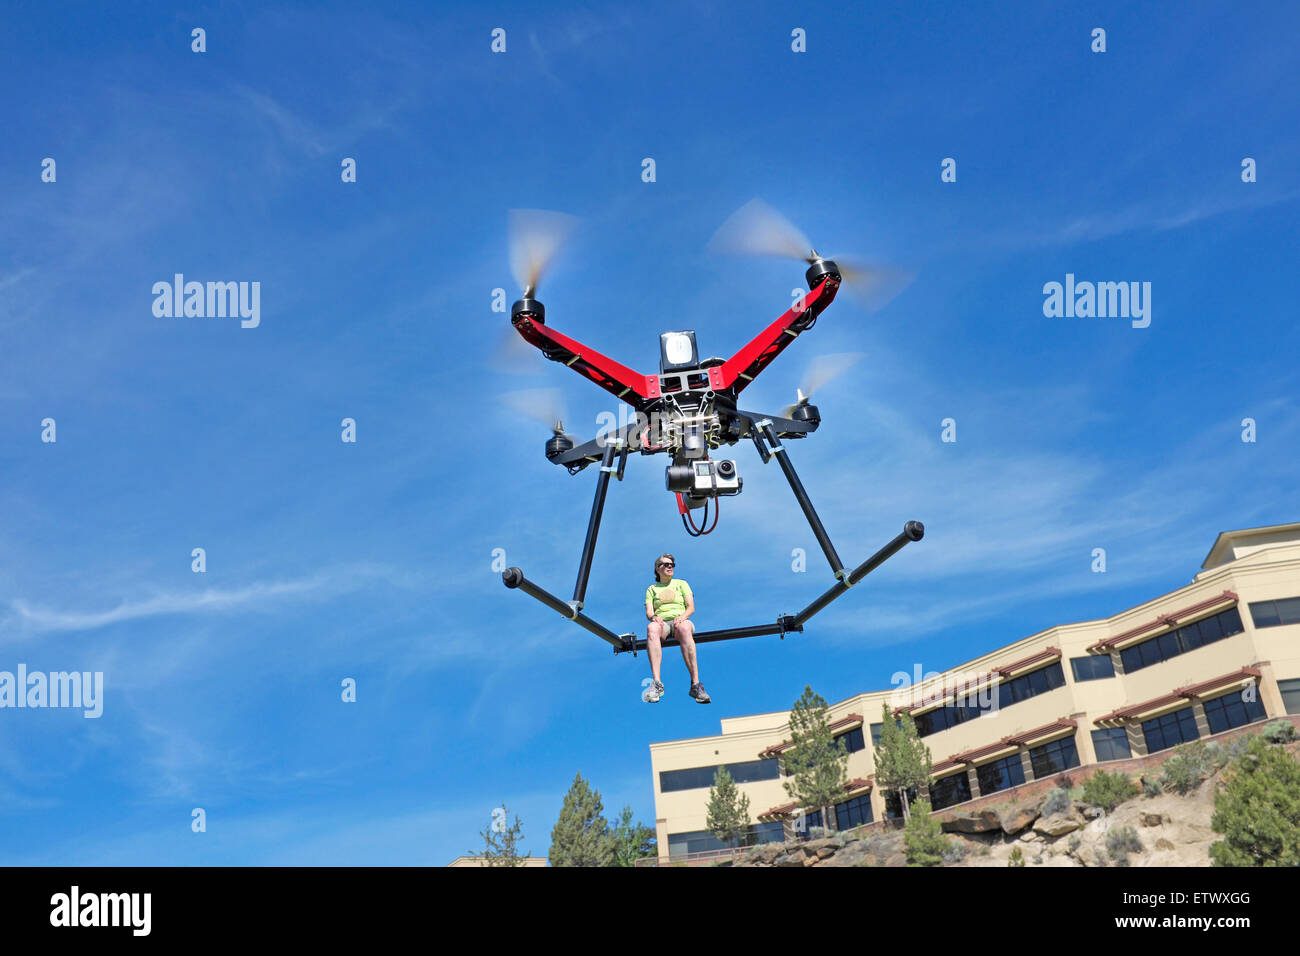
902, 761
501, 843
816, 761
1258, 810
923, 837
581, 835
728, 815
631, 841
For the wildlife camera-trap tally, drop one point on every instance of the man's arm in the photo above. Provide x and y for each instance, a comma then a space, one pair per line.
690, 607
650, 614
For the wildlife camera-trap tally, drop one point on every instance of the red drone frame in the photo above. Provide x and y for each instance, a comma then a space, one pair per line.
685, 411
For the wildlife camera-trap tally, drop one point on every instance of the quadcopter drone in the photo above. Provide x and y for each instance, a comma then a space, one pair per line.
689, 410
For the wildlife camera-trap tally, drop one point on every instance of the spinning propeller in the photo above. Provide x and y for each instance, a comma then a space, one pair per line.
545, 405
536, 237
756, 229
821, 370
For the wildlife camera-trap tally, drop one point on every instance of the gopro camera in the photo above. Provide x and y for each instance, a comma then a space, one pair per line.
705, 479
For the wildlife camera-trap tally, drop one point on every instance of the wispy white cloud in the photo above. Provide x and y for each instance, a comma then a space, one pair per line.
15, 277
1159, 216
211, 600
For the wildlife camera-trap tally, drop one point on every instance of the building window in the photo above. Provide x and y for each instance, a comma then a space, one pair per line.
1181, 640
946, 791
1031, 685
1111, 743
894, 806
1290, 690
949, 715
1001, 774
1170, 730
1092, 667
853, 813
968, 705
697, 841
1276, 613
852, 740
1054, 757
699, 777
1231, 710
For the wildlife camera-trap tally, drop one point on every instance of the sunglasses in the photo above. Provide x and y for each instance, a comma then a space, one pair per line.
667, 565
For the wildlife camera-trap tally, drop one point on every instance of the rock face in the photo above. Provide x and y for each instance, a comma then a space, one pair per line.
1058, 824
1179, 835
1017, 818
976, 821
854, 854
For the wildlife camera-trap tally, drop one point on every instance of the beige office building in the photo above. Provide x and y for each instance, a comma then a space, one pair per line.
1221, 653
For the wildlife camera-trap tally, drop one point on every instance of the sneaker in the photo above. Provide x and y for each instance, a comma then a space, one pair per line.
653, 693
700, 694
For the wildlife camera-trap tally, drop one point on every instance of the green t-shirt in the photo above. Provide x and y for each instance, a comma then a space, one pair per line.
669, 600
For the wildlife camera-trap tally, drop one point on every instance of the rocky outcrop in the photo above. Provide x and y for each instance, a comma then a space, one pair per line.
975, 821
1058, 824
877, 849
1175, 832
1015, 819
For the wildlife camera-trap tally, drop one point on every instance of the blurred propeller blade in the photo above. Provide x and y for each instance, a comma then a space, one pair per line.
756, 229
513, 355
545, 405
536, 235
826, 368
822, 370
873, 285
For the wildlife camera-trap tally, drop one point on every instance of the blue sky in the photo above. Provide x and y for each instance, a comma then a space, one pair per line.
372, 560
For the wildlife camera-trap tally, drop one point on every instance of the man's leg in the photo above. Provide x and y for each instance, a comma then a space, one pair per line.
654, 650
685, 632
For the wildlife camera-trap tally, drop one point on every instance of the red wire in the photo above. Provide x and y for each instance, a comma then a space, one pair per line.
699, 532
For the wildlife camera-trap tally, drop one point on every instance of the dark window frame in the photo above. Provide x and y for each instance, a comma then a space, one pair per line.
848, 810
1042, 680
697, 841
1154, 650
849, 738
1290, 691
1111, 736
894, 805
1277, 612
1010, 768
1092, 663
954, 785
1222, 712
1161, 729
747, 771
1044, 758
